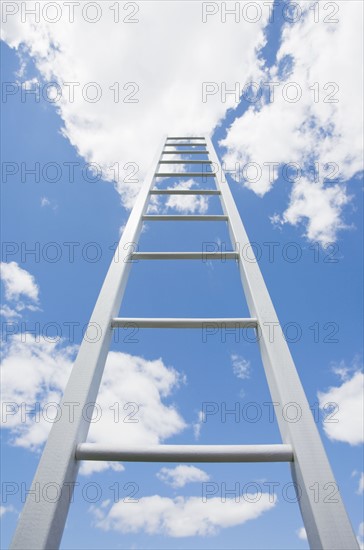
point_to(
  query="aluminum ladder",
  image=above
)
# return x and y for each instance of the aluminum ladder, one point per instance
(327, 525)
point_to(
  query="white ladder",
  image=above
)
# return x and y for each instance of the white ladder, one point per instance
(41, 524)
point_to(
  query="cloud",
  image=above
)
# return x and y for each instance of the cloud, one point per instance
(319, 207)
(18, 282)
(44, 201)
(181, 475)
(342, 370)
(130, 403)
(181, 517)
(241, 366)
(346, 421)
(301, 533)
(34, 373)
(131, 399)
(146, 89)
(186, 204)
(5, 510)
(321, 127)
(360, 489)
(9, 313)
(198, 424)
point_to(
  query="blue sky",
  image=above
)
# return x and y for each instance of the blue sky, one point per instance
(319, 295)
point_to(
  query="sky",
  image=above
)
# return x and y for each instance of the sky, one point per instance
(89, 90)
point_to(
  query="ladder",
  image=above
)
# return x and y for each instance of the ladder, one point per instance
(41, 524)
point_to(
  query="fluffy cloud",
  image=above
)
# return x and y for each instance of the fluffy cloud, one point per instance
(184, 204)
(241, 366)
(319, 207)
(343, 370)
(117, 135)
(151, 59)
(20, 289)
(323, 126)
(9, 313)
(34, 374)
(131, 400)
(129, 407)
(18, 282)
(188, 204)
(346, 424)
(181, 517)
(181, 475)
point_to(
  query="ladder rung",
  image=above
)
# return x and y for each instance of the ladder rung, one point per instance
(172, 138)
(180, 217)
(186, 453)
(122, 322)
(185, 161)
(182, 144)
(164, 152)
(230, 255)
(185, 174)
(185, 192)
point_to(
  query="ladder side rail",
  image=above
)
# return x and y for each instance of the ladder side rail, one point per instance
(327, 524)
(41, 524)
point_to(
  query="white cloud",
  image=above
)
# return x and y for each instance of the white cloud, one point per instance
(184, 204)
(33, 372)
(312, 129)
(319, 207)
(198, 424)
(130, 403)
(360, 489)
(169, 78)
(5, 510)
(301, 533)
(342, 370)
(241, 366)
(139, 387)
(187, 203)
(346, 422)
(44, 201)
(9, 313)
(181, 475)
(181, 517)
(18, 282)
